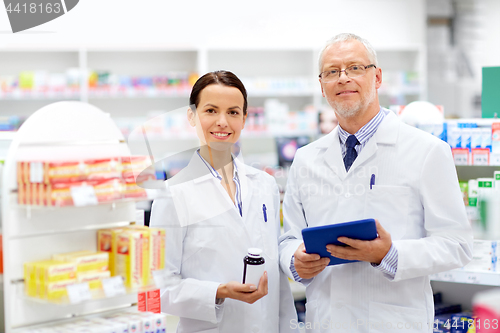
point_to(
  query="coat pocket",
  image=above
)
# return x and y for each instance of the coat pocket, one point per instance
(268, 232)
(390, 205)
(384, 318)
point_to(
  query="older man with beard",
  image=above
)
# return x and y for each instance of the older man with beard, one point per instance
(372, 166)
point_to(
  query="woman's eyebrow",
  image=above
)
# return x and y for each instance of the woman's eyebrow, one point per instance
(214, 106)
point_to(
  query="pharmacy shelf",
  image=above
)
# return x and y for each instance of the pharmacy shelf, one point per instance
(36, 221)
(244, 136)
(139, 93)
(41, 95)
(287, 74)
(35, 233)
(462, 276)
(70, 319)
(466, 172)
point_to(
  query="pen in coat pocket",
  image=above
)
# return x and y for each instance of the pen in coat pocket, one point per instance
(372, 181)
(264, 210)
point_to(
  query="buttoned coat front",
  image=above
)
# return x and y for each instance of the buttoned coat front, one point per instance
(416, 198)
(206, 242)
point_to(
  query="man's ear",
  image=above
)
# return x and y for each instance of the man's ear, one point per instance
(378, 77)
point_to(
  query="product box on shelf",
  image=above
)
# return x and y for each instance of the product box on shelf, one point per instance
(496, 177)
(461, 322)
(93, 278)
(484, 257)
(85, 261)
(157, 247)
(119, 242)
(79, 183)
(137, 169)
(47, 278)
(132, 257)
(107, 241)
(126, 321)
(53, 172)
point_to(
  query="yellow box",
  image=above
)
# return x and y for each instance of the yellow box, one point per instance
(132, 256)
(107, 242)
(157, 248)
(67, 256)
(52, 271)
(86, 261)
(55, 290)
(30, 277)
(93, 278)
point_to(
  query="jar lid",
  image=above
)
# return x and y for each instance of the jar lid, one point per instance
(254, 252)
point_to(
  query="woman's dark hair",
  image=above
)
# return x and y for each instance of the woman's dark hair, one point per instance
(224, 78)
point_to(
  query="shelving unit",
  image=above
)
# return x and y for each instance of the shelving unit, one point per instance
(460, 285)
(462, 276)
(61, 131)
(289, 74)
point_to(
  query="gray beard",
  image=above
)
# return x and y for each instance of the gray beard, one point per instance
(349, 111)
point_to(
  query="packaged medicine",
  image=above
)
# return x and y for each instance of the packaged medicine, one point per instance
(157, 248)
(93, 278)
(51, 271)
(107, 241)
(132, 257)
(55, 290)
(86, 262)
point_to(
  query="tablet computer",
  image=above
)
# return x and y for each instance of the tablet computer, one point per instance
(317, 238)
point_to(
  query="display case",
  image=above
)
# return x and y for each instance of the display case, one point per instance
(58, 132)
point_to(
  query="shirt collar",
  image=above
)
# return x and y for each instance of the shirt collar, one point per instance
(365, 132)
(214, 172)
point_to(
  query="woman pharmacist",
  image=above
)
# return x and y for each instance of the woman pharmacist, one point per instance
(216, 209)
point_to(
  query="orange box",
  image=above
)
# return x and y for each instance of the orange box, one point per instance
(132, 190)
(54, 172)
(137, 169)
(105, 191)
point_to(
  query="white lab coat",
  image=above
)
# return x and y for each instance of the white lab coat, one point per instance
(416, 198)
(206, 241)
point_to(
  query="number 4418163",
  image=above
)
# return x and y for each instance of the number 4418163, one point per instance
(33, 8)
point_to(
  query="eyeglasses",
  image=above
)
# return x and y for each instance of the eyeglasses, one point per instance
(351, 71)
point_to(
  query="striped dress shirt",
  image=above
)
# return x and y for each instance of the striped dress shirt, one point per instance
(236, 179)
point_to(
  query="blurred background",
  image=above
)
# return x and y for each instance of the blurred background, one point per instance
(137, 61)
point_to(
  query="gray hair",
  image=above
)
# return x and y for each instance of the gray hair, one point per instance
(345, 37)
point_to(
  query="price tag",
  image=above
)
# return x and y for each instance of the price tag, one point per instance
(161, 278)
(83, 195)
(473, 278)
(447, 276)
(36, 172)
(480, 156)
(461, 156)
(113, 286)
(78, 292)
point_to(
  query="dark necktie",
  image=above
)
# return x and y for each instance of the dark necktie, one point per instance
(351, 154)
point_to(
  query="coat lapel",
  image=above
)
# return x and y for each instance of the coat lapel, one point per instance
(386, 134)
(333, 153)
(246, 176)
